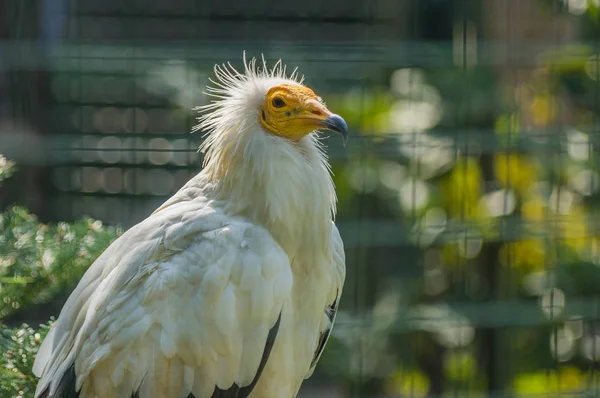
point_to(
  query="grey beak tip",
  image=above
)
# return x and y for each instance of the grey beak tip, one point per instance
(338, 124)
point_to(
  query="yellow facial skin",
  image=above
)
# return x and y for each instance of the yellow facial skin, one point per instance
(292, 112)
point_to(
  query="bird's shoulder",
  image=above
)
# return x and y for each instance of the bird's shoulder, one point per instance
(188, 247)
(186, 235)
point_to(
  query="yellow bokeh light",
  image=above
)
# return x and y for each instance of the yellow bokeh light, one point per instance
(515, 171)
(407, 383)
(566, 380)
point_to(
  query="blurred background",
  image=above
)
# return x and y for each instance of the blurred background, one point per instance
(468, 193)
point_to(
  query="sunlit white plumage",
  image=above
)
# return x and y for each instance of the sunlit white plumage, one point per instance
(243, 259)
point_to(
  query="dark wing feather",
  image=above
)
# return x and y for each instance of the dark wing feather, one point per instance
(236, 391)
(331, 310)
(66, 388)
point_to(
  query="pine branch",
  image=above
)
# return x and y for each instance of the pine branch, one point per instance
(19, 347)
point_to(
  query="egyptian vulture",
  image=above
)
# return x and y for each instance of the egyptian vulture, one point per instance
(230, 288)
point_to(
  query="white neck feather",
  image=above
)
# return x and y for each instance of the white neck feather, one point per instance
(282, 185)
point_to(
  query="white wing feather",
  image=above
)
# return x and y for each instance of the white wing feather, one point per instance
(182, 302)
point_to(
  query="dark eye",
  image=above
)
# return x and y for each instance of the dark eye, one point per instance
(278, 102)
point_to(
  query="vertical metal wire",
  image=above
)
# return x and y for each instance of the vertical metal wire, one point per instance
(415, 16)
(138, 5)
(77, 15)
(554, 134)
(360, 252)
(464, 264)
(593, 385)
(509, 248)
(558, 128)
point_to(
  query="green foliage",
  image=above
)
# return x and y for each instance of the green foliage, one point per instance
(19, 346)
(40, 260)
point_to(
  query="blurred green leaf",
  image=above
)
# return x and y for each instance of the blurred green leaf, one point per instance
(19, 347)
(39, 261)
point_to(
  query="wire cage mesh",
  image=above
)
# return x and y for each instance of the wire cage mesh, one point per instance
(468, 194)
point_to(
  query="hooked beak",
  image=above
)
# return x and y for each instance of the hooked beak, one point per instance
(320, 117)
(338, 124)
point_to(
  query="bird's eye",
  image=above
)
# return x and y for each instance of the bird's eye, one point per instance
(278, 102)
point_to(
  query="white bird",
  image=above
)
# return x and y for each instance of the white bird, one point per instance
(230, 288)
